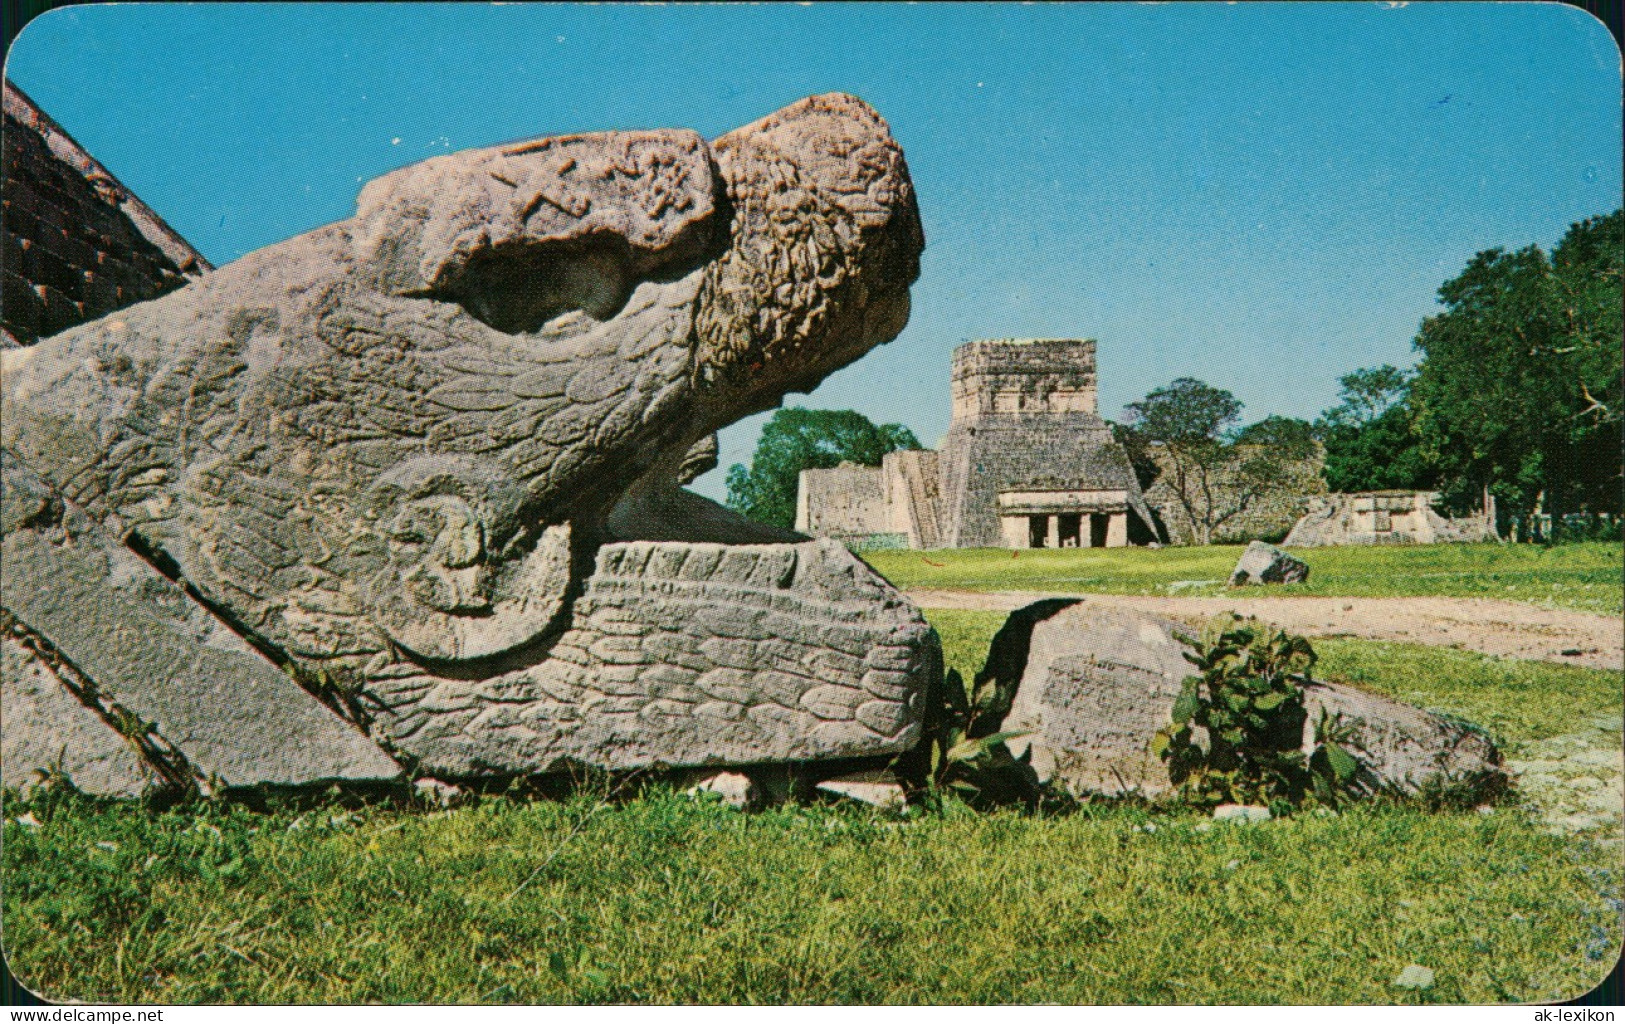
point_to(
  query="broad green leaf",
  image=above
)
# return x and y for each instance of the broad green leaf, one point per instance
(965, 750)
(1270, 701)
(1185, 706)
(1003, 737)
(1342, 763)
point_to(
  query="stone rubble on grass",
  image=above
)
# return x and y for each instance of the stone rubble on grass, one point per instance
(1575, 783)
(1097, 682)
(875, 788)
(1244, 814)
(1415, 976)
(441, 794)
(730, 788)
(1266, 563)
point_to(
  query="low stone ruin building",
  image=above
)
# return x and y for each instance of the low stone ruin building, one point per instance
(1382, 517)
(892, 505)
(77, 243)
(1027, 463)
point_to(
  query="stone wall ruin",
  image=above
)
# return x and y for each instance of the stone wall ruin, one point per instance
(1382, 517)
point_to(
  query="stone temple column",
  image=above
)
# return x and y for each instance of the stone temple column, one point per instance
(1117, 530)
(1014, 530)
(1053, 536)
(1086, 530)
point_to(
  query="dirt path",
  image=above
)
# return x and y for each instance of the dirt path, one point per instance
(1503, 628)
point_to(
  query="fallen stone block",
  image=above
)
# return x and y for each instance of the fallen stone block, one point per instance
(148, 654)
(1266, 563)
(78, 745)
(441, 794)
(1242, 814)
(731, 788)
(1096, 683)
(875, 788)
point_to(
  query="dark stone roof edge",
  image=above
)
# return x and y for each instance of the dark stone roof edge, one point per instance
(64, 148)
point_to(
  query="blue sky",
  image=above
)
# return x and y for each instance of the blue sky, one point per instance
(1263, 196)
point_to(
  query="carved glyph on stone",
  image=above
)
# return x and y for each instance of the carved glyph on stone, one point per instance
(418, 455)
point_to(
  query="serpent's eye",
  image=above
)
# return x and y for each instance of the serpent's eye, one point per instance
(416, 527)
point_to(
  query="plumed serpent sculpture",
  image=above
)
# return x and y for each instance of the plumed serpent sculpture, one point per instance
(427, 462)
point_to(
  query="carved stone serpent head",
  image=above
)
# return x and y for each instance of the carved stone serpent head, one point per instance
(402, 433)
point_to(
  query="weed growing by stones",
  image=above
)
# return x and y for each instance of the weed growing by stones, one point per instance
(1236, 730)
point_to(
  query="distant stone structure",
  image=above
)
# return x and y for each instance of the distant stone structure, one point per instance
(1270, 514)
(77, 243)
(1027, 463)
(1382, 517)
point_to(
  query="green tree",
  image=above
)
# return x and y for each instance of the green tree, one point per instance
(796, 439)
(1587, 264)
(1518, 391)
(1371, 436)
(1215, 472)
(1366, 395)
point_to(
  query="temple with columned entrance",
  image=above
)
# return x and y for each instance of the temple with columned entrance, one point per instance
(1027, 463)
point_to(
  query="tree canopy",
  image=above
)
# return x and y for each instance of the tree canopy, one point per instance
(1187, 414)
(1518, 391)
(796, 439)
(1216, 472)
(1371, 437)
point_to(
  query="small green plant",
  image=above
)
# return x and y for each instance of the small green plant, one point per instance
(1235, 734)
(1335, 775)
(341, 694)
(962, 753)
(128, 724)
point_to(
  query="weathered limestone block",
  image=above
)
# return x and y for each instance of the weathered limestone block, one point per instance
(1266, 563)
(875, 788)
(684, 655)
(1096, 683)
(441, 794)
(400, 453)
(1405, 747)
(143, 649)
(78, 744)
(731, 788)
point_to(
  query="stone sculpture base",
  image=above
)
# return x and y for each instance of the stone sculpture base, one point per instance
(689, 655)
(675, 655)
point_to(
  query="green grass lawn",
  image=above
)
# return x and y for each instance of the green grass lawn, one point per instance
(660, 898)
(1586, 577)
(665, 899)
